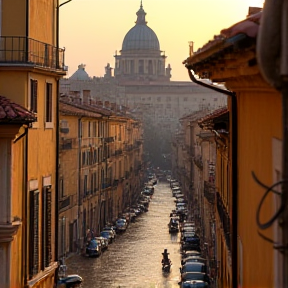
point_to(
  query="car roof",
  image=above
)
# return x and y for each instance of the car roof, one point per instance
(194, 257)
(193, 264)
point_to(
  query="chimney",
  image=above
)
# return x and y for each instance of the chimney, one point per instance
(107, 104)
(86, 97)
(99, 103)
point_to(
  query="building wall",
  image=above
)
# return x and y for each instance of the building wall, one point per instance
(259, 117)
(41, 143)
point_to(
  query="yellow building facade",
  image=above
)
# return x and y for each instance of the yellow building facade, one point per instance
(253, 155)
(100, 171)
(31, 65)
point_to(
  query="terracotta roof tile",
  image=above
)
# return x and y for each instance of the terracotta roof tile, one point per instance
(68, 108)
(11, 112)
(206, 120)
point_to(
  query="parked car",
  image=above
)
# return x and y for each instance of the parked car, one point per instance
(193, 259)
(193, 267)
(93, 248)
(104, 242)
(190, 243)
(195, 276)
(108, 235)
(121, 225)
(190, 253)
(111, 229)
(194, 284)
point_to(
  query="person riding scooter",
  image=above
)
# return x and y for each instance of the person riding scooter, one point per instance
(165, 259)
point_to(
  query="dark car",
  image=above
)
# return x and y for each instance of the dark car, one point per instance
(195, 276)
(93, 248)
(190, 242)
(108, 235)
(193, 267)
(194, 284)
(193, 259)
(190, 253)
(121, 225)
(104, 242)
(111, 229)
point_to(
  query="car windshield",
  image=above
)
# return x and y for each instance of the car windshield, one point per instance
(194, 276)
(193, 267)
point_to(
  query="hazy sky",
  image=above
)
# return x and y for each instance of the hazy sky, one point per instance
(93, 30)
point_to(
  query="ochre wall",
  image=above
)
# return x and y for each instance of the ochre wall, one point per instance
(259, 120)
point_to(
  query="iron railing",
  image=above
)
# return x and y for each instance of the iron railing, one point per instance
(24, 50)
(225, 220)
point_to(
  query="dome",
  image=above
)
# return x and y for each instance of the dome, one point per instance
(80, 74)
(140, 37)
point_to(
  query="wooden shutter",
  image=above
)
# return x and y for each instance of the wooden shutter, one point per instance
(33, 95)
(46, 224)
(34, 234)
(48, 102)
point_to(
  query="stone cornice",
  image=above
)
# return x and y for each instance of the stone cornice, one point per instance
(7, 231)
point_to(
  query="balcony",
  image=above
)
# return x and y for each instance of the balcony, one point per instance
(225, 220)
(64, 203)
(209, 192)
(26, 51)
(66, 144)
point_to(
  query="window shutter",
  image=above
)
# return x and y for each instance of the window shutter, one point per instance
(33, 95)
(48, 102)
(46, 224)
(34, 234)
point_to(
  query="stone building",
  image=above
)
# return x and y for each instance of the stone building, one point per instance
(142, 82)
(100, 171)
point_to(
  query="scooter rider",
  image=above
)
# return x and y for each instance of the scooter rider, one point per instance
(165, 257)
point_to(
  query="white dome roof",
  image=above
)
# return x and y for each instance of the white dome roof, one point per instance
(80, 74)
(140, 37)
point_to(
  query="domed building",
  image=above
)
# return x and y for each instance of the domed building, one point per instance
(80, 74)
(140, 57)
(142, 83)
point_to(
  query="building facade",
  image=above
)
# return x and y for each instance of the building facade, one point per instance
(100, 171)
(31, 64)
(255, 130)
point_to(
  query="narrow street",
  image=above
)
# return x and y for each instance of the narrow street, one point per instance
(134, 259)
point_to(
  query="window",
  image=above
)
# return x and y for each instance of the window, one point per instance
(46, 230)
(33, 95)
(48, 112)
(141, 67)
(34, 234)
(150, 67)
(85, 185)
(61, 188)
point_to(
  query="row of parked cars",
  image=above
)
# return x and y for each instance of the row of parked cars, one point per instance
(193, 270)
(96, 245)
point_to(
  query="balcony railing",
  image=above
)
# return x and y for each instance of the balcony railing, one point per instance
(225, 220)
(24, 50)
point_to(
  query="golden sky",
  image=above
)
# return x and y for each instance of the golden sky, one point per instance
(93, 30)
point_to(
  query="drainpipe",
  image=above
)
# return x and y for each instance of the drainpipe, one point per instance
(57, 172)
(25, 176)
(25, 210)
(234, 240)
